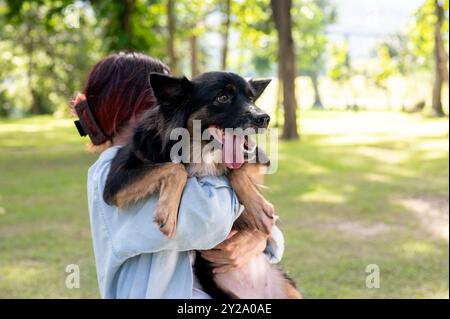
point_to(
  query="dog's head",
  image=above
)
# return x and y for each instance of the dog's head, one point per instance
(223, 103)
(221, 99)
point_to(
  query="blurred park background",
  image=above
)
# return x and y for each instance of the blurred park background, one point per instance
(360, 96)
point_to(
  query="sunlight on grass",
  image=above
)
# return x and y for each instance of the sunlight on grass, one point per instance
(378, 178)
(439, 295)
(299, 163)
(432, 214)
(16, 274)
(35, 126)
(414, 248)
(358, 188)
(387, 125)
(385, 155)
(37, 131)
(324, 196)
(348, 139)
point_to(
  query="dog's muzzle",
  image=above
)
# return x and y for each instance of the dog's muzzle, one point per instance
(261, 120)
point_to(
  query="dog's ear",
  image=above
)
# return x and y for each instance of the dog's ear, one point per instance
(170, 90)
(258, 86)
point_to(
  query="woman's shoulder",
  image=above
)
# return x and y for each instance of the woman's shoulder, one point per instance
(214, 181)
(208, 206)
(98, 171)
(101, 166)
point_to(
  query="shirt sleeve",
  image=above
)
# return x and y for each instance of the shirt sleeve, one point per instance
(275, 246)
(207, 211)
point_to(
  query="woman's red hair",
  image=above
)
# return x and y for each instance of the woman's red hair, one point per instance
(118, 90)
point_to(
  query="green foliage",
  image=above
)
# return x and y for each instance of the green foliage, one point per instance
(386, 68)
(421, 33)
(310, 20)
(51, 57)
(340, 68)
(191, 16)
(191, 22)
(394, 57)
(400, 51)
(257, 37)
(46, 58)
(133, 25)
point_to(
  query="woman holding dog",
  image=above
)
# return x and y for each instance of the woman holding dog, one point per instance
(133, 258)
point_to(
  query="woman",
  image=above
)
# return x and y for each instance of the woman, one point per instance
(133, 258)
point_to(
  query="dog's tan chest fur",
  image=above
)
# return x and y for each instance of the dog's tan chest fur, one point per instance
(203, 169)
(205, 164)
(257, 280)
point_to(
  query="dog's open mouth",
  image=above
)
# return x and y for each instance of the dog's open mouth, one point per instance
(234, 146)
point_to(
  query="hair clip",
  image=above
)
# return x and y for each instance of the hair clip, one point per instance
(80, 128)
(86, 125)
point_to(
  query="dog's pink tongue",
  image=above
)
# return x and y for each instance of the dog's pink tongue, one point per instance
(233, 150)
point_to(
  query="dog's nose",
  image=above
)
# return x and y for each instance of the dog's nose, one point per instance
(262, 120)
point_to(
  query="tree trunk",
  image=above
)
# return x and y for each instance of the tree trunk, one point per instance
(125, 21)
(225, 34)
(283, 21)
(440, 43)
(317, 100)
(436, 106)
(194, 56)
(173, 63)
(36, 107)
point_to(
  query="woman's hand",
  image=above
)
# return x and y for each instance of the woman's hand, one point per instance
(236, 250)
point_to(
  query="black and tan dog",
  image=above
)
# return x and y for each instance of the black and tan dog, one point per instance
(220, 101)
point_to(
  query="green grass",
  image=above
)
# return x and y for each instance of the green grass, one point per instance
(358, 189)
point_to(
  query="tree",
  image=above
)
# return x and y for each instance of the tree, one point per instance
(27, 17)
(281, 10)
(440, 61)
(51, 57)
(428, 44)
(257, 44)
(192, 16)
(340, 69)
(310, 20)
(136, 25)
(171, 28)
(225, 32)
(394, 57)
(386, 69)
(128, 25)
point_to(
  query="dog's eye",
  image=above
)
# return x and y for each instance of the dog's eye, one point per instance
(223, 98)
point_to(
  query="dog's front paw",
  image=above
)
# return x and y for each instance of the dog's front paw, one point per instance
(267, 217)
(263, 214)
(166, 219)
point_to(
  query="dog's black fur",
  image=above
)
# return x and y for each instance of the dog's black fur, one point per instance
(220, 99)
(179, 99)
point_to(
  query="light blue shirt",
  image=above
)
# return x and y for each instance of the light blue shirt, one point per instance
(135, 260)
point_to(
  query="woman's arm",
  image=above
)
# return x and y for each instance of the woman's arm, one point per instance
(208, 209)
(275, 246)
(240, 247)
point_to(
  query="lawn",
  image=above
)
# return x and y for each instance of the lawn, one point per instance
(358, 189)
